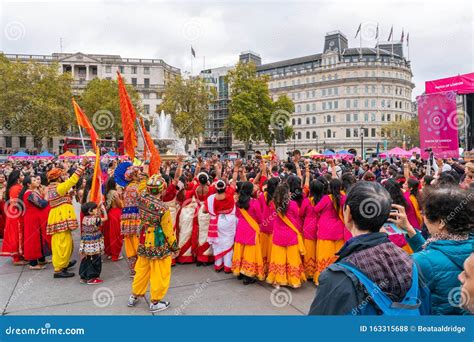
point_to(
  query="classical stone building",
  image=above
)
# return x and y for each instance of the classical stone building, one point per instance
(148, 76)
(342, 94)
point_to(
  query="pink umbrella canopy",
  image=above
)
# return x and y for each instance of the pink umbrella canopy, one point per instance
(417, 150)
(396, 151)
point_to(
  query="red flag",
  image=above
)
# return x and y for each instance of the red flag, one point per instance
(128, 119)
(155, 159)
(96, 193)
(84, 122)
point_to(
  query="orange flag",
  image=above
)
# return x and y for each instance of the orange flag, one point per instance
(84, 122)
(128, 119)
(96, 193)
(155, 159)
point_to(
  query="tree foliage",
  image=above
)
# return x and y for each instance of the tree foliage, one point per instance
(407, 131)
(253, 115)
(187, 101)
(100, 101)
(35, 99)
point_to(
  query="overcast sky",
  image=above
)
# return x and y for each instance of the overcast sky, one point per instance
(441, 32)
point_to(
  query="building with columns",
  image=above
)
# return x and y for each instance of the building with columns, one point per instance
(148, 76)
(343, 96)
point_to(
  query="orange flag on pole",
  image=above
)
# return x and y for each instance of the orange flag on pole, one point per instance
(96, 193)
(155, 159)
(84, 122)
(129, 117)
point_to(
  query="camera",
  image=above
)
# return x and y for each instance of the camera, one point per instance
(429, 149)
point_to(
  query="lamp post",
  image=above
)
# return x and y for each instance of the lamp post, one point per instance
(362, 152)
(317, 143)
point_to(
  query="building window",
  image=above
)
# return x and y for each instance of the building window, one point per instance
(299, 135)
(146, 109)
(8, 142)
(348, 90)
(324, 92)
(366, 91)
(324, 105)
(307, 107)
(372, 103)
(293, 122)
(329, 134)
(298, 109)
(299, 121)
(348, 117)
(366, 103)
(373, 89)
(383, 116)
(134, 82)
(329, 91)
(356, 117)
(146, 70)
(313, 107)
(314, 120)
(348, 132)
(108, 69)
(121, 69)
(146, 96)
(348, 103)
(373, 132)
(315, 136)
(366, 117)
(336, 91)
(372, 116)
(356, 103)
(328, 118)
(146, 82)
(22, 142)
(356, 132)
(134, 69)
(308, 135)
(388, 117)
(336, 104)
(333, 134)
(307, 121)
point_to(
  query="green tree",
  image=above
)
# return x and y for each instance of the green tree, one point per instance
(187, 101)
(251, 106)
(407, 131)
(100, 101)
(35, 99)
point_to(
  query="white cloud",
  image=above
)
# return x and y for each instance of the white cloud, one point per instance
(441, 32)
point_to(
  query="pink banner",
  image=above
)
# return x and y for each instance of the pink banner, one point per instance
(461, 84)
(438, 119)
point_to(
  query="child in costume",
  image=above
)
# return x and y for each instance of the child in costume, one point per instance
(157, 243)
(91, 247)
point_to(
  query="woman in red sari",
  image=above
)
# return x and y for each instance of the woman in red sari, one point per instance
(2, 203)
(13, 208)
(113, 238)
(37, 244)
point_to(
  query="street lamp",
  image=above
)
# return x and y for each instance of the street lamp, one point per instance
(362, 152)
(317, 143)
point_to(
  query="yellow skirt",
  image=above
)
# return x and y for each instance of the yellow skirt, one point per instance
(407, 249)
(247, 260)
(309, 259)
(325, 255)
(266, 246)
(286, 267)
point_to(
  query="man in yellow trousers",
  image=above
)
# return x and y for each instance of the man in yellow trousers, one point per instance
(62, 218)
(157, 244)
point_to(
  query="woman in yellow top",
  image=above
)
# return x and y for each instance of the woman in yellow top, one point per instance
(62, 218)
(157, 243)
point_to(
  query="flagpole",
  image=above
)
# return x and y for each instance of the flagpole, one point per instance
(360, 44)
(142, 134)
(82, 139)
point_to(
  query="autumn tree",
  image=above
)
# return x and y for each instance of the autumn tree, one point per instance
(35, 99)
(187, 101)
(398, 132)
(281, 128)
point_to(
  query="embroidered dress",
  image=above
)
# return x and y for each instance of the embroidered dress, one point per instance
(130, 219)
(92, 240)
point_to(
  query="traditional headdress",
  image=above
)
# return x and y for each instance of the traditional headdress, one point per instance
(156, 184)
(119, 173)
(54, 173)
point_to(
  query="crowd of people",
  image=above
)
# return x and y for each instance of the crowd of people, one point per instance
(375, 236)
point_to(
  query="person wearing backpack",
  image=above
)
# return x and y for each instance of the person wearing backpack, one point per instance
(448, 213)
(371, 276)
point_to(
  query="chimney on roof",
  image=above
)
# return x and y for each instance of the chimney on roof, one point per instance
(335, 41)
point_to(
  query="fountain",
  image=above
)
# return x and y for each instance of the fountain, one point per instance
(165, 138)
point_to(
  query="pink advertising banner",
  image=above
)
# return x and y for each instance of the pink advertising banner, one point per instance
(461, 84)
(438, 119)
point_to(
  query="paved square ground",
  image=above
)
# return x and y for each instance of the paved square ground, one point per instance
(193, 291)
